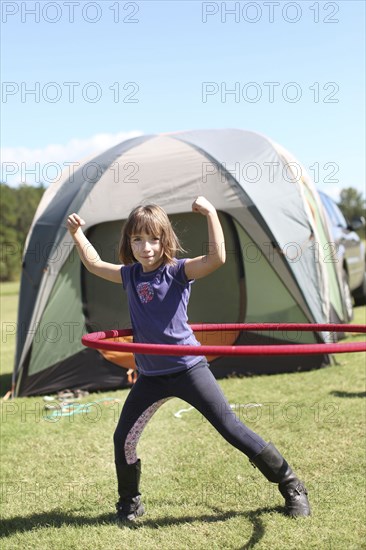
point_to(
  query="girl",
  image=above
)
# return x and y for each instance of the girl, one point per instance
(158, 288)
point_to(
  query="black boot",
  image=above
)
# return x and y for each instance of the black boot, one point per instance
(275, 468)
(129, 506)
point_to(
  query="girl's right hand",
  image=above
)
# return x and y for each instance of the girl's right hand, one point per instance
(74, 222)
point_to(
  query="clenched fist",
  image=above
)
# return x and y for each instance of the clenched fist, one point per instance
(74, 222)
(203, 206)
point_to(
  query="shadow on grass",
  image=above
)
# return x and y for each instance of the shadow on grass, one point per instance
(5, 383)
(348, 394)
(254, 517)
(59, 519)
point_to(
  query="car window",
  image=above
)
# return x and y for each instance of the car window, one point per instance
(341, 219)
(328, 208)
(333, 212)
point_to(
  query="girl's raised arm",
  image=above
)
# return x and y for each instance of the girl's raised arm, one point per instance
(196, 268)
(88, 255)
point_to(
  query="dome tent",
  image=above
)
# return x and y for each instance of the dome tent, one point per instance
(275, 233)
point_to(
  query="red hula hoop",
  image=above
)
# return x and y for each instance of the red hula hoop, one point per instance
(101, 340)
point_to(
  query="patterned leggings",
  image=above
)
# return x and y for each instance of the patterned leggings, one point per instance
(198, 387)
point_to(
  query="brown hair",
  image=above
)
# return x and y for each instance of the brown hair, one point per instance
(151, 219)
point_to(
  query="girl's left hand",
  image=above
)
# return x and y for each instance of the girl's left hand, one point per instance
(203, 206)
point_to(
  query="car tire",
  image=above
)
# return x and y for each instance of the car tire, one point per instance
(360, 293)
(347, 297)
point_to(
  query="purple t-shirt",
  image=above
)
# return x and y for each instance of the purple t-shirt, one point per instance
(158, 303)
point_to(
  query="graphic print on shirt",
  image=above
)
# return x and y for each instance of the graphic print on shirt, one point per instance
(145, 291)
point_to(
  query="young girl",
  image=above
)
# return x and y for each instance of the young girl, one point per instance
(158, 288)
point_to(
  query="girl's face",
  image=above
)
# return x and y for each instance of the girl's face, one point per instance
(148, 250)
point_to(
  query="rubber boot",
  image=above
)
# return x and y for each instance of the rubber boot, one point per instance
(129, 506)
(275, 468)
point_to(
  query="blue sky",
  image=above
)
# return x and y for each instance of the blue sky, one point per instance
(103, 71)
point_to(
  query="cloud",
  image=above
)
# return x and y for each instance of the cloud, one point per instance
(45, 165)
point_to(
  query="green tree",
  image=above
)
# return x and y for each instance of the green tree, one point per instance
(17, 208)
(28, 198)
(352, 203)
(10, 253)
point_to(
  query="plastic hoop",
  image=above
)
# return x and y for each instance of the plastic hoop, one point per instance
(102, 340)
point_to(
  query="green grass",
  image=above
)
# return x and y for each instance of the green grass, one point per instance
(58, 483)
(9, 294)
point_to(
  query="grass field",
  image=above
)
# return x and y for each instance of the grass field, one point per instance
(58, 483)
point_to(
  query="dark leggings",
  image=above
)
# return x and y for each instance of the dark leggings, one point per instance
(198, 387)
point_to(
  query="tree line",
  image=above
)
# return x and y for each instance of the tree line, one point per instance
(18, 206)
(352, 204)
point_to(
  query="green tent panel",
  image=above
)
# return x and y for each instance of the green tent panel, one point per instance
(62, 324)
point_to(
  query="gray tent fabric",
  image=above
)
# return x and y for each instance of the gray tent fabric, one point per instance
(262, 189)
(265, 208)
(51, 225)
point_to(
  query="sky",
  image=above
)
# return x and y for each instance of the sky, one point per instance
(80, 76)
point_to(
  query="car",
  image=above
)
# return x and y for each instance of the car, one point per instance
(351, 255)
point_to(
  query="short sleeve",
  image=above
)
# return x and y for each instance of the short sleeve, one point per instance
(178, 273)
(125, 275)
